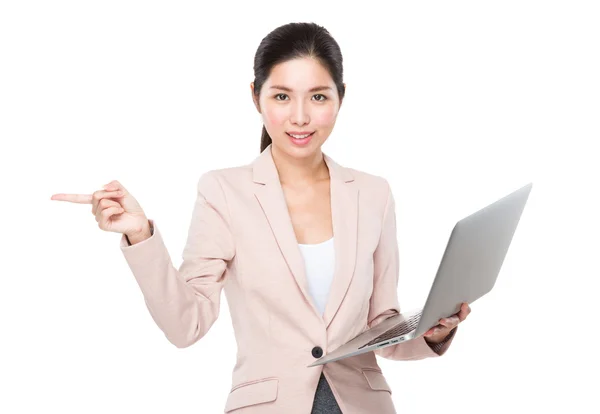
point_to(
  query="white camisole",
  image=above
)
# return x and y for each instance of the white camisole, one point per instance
(319, 261)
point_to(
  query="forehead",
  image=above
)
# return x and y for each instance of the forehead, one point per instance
(299, 74)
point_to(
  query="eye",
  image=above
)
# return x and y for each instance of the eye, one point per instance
(320, 100)
(279, 94)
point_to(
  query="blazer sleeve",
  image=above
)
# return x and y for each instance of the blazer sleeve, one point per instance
(384, 299)
(185, 302)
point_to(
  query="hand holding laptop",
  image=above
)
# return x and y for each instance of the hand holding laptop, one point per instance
(438, 333)
(468, 270)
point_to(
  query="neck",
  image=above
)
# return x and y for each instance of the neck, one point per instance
(300, 171)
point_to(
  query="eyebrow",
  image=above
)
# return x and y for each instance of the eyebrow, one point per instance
(316, 88)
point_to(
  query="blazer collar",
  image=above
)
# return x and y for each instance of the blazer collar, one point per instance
(344, 210)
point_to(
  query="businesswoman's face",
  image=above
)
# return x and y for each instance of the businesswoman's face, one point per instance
(298, 97)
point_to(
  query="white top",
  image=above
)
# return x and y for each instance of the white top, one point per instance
(319, 261)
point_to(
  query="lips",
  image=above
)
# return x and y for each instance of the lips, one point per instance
(301, 142)
(300, 133)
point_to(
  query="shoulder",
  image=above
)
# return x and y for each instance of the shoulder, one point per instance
(372, 187)
(366, 180)
(374, 191)
(228, 177)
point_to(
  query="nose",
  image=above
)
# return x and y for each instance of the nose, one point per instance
(299, 115)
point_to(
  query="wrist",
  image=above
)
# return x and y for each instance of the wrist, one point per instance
(439, 347)
(437, 341)
(144, 233)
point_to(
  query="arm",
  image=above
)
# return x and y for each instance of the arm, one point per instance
(384, 299)
(185, 302)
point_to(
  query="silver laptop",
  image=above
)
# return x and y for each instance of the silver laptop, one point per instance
(469, 268)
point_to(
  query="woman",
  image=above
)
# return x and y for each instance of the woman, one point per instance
(305, 249)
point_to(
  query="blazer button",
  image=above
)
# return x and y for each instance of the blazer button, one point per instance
(317, 352)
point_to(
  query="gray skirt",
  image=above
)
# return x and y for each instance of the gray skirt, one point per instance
(324, 402)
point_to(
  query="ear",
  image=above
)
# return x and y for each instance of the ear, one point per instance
(342, 100)
(254, 99)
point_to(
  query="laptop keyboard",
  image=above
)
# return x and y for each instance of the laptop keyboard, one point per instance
(402, 328)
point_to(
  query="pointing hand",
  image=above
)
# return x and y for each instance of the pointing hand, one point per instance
(114, 208)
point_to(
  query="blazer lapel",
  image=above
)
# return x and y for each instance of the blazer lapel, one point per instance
(344, 210)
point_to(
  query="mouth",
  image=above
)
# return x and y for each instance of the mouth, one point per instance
(297, 135)
(300, 139)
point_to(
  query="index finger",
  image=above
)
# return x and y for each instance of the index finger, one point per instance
(73, 198)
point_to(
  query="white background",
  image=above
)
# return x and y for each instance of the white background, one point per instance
(455, 103)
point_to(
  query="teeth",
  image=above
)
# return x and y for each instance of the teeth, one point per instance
(299, 136)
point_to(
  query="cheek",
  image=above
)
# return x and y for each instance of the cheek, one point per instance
(274, 116)
(326, 116)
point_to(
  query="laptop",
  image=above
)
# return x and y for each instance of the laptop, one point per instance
(468, 270)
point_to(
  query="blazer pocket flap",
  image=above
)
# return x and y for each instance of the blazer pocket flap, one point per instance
(250, 393)
(376, 380)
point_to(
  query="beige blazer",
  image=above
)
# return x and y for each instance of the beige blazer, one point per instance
(241, 240)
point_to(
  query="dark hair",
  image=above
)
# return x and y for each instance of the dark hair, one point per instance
(291, 41)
